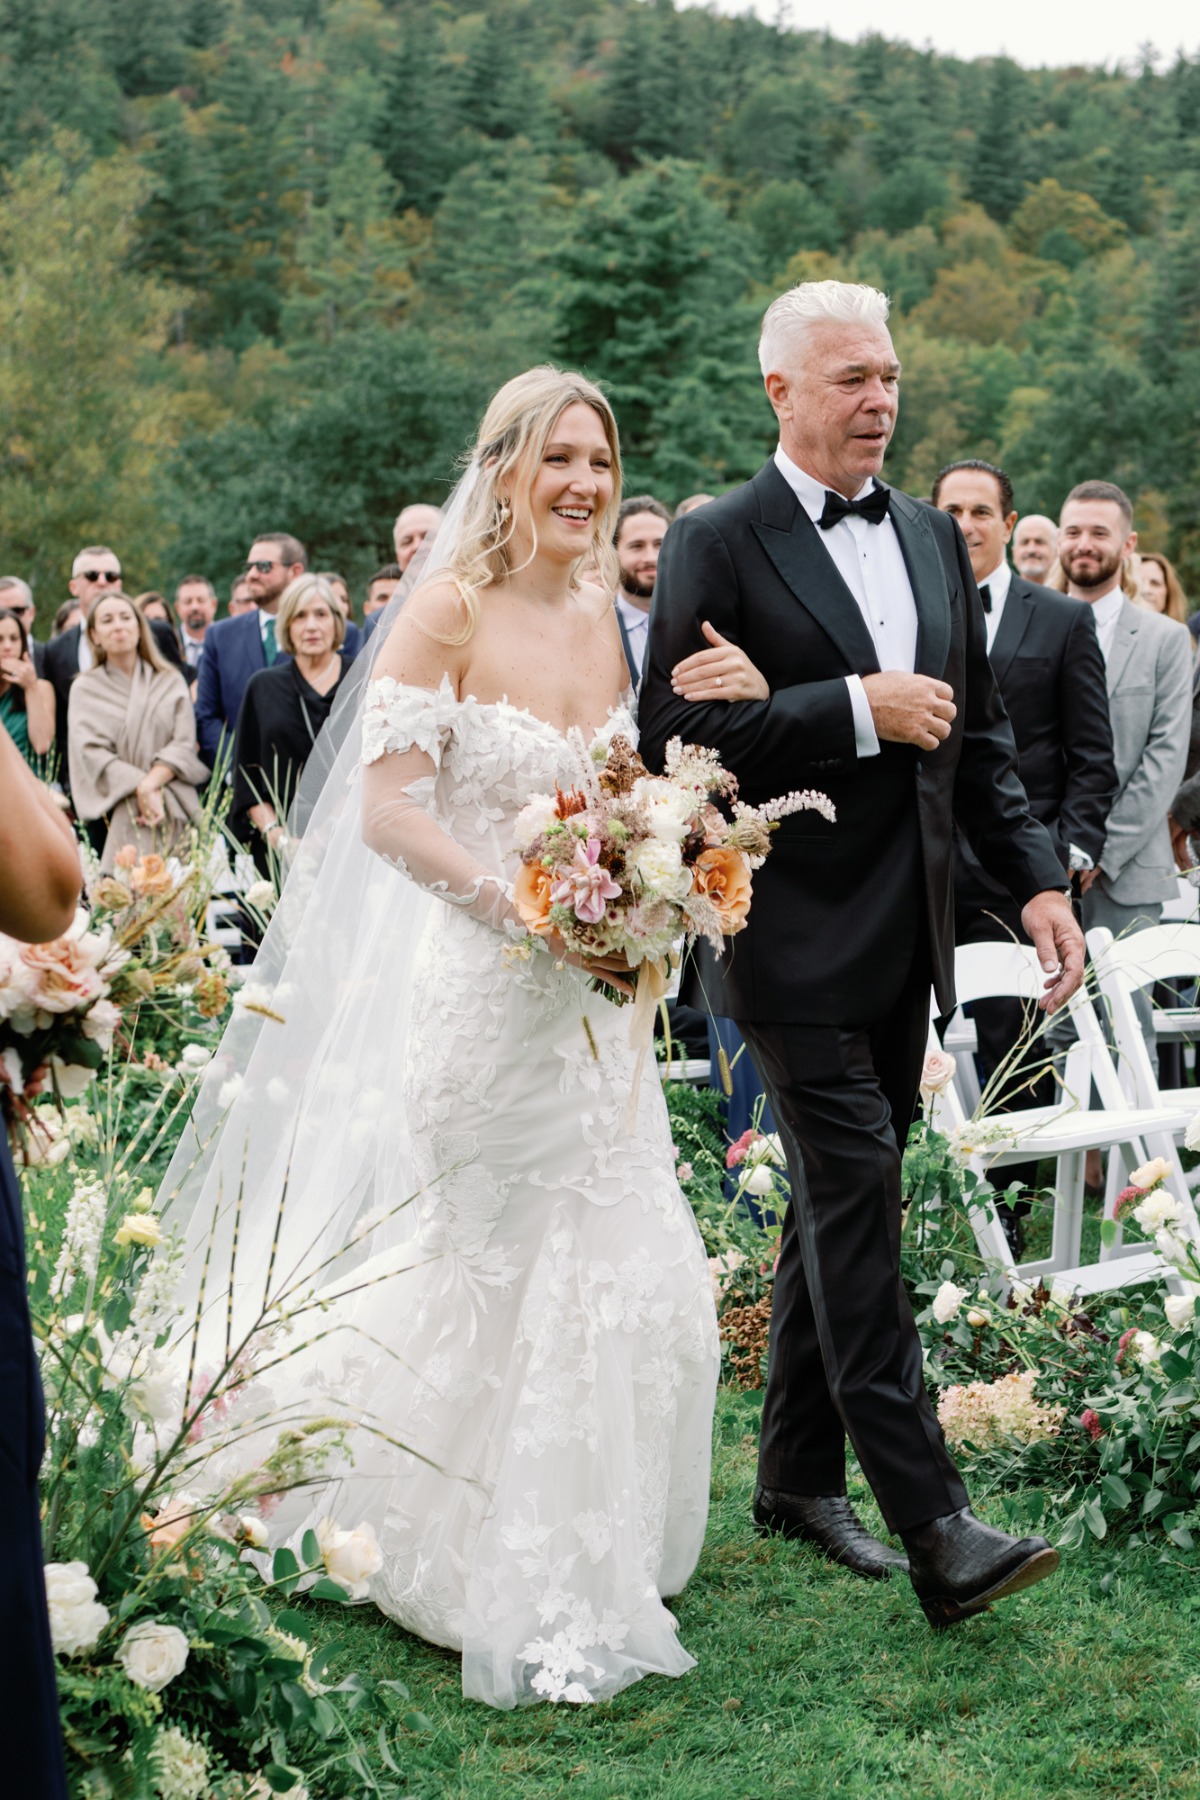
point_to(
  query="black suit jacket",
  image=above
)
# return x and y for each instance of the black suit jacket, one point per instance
(839, 910)
(60, 666)
(1050, 671)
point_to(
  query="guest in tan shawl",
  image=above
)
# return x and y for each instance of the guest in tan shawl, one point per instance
(131, 736)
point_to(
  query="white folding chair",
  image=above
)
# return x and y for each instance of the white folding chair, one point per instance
(1066, 1131)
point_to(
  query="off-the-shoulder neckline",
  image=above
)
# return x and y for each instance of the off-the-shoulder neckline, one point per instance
(445, 691)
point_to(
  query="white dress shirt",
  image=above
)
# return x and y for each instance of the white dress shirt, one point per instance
(871, 563)
(1106, 611)
(193, 650)
(997, 586)
(637, 625)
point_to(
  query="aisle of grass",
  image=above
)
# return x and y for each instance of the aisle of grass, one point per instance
(812, 1683)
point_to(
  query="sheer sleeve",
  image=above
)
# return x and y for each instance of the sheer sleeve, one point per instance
(404, 733)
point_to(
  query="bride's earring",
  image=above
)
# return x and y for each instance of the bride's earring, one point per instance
(503, 510)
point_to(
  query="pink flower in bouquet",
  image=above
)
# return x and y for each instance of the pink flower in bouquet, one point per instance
(126, 857)
(587, 884)
(1090, 1420)
(736, 1152)
(65, 977)
(1125, 1199)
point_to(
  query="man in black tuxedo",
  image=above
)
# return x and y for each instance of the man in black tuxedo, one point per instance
(96, 570)
(1046, 658)
(858, 606)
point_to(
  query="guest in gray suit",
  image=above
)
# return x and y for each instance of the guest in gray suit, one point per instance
(1148, 673)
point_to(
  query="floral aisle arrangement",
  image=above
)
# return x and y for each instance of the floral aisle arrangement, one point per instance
(627, 862)
(184, 1673)
(1095, 1401)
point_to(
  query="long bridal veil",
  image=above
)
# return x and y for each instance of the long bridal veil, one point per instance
(291, 1153)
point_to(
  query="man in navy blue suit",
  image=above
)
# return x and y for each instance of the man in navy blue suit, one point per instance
(235, 649)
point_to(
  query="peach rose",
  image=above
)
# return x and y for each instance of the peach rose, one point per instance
(723, 877)
(64, 976)
(532, 897)
(173, 1520)
(151, 876)
(126, 857)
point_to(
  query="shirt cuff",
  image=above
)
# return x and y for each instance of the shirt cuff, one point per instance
(865, 741)
(1078, 859)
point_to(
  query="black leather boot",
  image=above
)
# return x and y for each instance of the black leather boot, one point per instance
(831, 1523)
(959, 1565)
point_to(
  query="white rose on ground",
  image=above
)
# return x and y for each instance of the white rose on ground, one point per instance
(1180, 1310)
(350, 1557)
(947, 1302)
(659, 864)
(759, 1181)
(1157, 1169)
(1157, 1210)
(152, 1654)
(76, 1616)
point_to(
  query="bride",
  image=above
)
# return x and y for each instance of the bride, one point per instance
(530, 1339)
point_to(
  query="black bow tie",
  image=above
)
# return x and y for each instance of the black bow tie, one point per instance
(873, 508)
(985, 594)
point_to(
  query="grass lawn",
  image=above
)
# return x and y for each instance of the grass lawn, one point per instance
(814, 1683)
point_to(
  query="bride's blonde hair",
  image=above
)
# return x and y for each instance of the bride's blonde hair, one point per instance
(507, 453)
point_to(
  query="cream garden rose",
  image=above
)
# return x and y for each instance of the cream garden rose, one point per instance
(152, 1654)
(1180, 1310)
(660, 865)
(1157, 1169)
(76, 1616)
(350, 1557)
(947, 1302)
(141, 1229)
(938, 1071)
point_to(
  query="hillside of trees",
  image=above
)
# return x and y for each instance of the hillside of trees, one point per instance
(264, 260)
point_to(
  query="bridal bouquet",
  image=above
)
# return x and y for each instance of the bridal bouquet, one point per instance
(629, 862)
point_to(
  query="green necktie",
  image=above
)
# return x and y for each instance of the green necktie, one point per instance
(269, 639)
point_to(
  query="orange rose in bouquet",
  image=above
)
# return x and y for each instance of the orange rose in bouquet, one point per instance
(532, 897)
(723, 877)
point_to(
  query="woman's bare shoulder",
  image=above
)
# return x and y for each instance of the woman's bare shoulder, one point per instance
(417, 649)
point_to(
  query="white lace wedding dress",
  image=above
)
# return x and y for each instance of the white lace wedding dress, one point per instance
(552, 1350)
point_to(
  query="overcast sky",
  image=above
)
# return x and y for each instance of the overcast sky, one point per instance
(1031, 31)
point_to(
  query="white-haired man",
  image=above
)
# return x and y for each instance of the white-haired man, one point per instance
(1034, 547)
(413, 525)
(858, 607)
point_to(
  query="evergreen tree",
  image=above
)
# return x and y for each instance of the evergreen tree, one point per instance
(998, 160)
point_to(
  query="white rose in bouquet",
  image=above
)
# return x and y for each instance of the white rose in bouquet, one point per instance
(536, 816)
(668, 810)
(17, 980)
(660, 866)
(152, 1654)
(350, 1557)
(1157, 1169)
(947, 1302)
(1180, 1310)
(100, 1022)
(76, 1616)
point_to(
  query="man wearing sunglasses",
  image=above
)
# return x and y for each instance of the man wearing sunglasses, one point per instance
(235, 649)
(96, 571)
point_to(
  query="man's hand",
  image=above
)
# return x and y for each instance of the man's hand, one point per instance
(910, 709)
(1180, 848)
(1088, 878)
(1059, 944)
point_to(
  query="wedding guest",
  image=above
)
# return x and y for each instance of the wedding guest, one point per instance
(68, 614)
(39, 891)
(195, 610)
(691, 503)
(151, 605)
(235, 649)
(239, 598)
(341, 593)
(641, 527)
(16, 596)
(1160, 588)
(380, 589)
(96, 570)
(26, 702)
(283, 710)
(413, 525)
(1034, 547)
(131, 737)
(1046, 659)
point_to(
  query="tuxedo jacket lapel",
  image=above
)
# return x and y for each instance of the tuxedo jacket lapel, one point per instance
(926, 573)
(1014, 622)
(793, 543)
